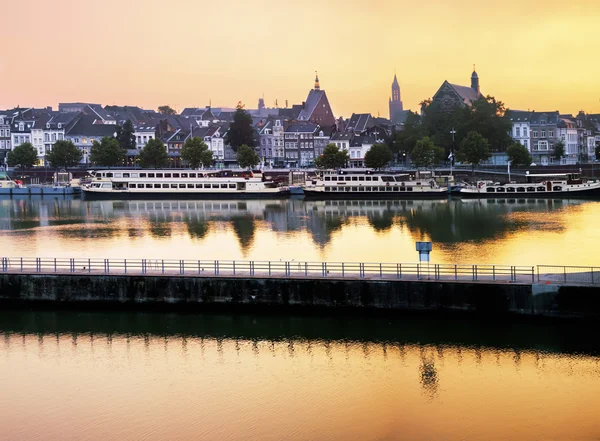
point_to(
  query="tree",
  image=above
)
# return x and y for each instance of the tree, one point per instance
(240, 131)
(378, 156)
(64, 154)
(559, 150)
(426, 153)
(107, 152)
(166, 110)
(23, 155)
(403, 142)
(196, 152)
(154, 154)
(518, 154)
(332, 157)
(247, 156)
(474, 149)
(126, 136)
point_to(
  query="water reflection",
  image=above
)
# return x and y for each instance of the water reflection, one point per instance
(448, 223)
(156, 376)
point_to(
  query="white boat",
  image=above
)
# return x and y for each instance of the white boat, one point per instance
(11, 188)
(566, 185)
(180, 184)
(369, 184)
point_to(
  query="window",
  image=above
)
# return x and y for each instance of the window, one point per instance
(525, 131)
(159, 175)
(173, 185)
(132, 185)
(165, 186)
(181, 185)
(518, 132)
(526, 144)
(550, 133)
(142, 175)
(167, 175)
(543, 134)
(150, 175)
(184, 175)
(192, 175)
(190, 186)
(157, 186)
(535, 134)
(148, 185)
(231, 185)
(175, 175)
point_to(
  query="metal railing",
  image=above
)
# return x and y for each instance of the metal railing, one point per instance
(306, 270)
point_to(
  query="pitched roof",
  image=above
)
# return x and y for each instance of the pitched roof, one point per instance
(96, 109)
(518, 115)
(301, 126)
(468, 94)
(85, 126)
(548, 117)
(359, 122)
(314, 96)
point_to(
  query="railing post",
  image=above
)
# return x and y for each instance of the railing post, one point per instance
(532, 274)
(565, 273)
(381, 271)
(323, 269)
(592, 273)
(305, 269)
(55, 264)
(108, 266)
(181, 267)
(455, 272)
(125, 265)
(234, 267)
(252, 268)
(21, 264)
(163, 266)
(494, 273)
(418, 272)
(269, 268)
(342, 269)
(398, 270)
(89, 266)
(473, 273)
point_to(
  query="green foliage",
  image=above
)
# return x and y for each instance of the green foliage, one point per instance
(404, 141)
(107, 152)
(426, 153)
(559, 150)
(474, 149)
(332, 157)
(378, 156)
(126, 136)
(166, 110)
(196, 152)
(64, 154)
(24, 156)
(247, 156)
(240, 131)
(154, 154)
(597, 152)
(518, 154)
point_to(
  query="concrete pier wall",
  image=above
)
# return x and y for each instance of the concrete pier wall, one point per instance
(120, 291)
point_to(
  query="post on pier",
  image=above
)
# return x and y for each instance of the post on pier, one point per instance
(424, 249)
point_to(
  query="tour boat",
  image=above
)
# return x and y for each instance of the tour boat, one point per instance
(369, 184)
(180, 184)
(9, 187)
(537, 186)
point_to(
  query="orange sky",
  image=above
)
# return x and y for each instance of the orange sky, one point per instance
(536, 54)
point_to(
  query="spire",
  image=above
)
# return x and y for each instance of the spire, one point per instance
(395, 83)
(475, 80)
(317, 86)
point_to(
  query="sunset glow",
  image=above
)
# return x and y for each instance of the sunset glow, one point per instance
(530, 54)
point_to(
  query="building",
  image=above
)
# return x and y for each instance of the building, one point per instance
(5, 138)
(316, 109)
(359, 123)
(272, 144)
(143, 134)
(397, 113)
(521, 128)
(566, 131)
(342, 140)
(450, 96)
(359, 146)
(38, 128)
(84, 131)
(74, 107)
(299, 144)
(544, 135)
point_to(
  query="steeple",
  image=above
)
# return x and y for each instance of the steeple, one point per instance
(317, 86)
(475, 80)
(395, 89)
(396, 107)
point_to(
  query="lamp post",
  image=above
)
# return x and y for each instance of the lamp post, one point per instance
(453, 132)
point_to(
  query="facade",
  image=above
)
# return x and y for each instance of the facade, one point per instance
(272, 143)
(38, 128)
(21, 131)
(143, 134)
(567, 133)
(316, 109)
(544, 135)
(450, 96)
(521, 127)
(73, 107)
(397, 113)
(342, 140)
(83, 132)
(299, 139)
(5, 138)
(359, 147)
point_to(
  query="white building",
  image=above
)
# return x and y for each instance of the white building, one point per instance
(567, 133)
(143, 134)
(521, 127)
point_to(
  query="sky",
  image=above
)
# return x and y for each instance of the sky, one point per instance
(530, 54)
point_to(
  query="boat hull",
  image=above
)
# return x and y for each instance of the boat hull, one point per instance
(40, 191)
(573, 194)
(139, 195)
(324, 195)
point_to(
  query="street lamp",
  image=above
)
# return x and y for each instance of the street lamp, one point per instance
(453, 132)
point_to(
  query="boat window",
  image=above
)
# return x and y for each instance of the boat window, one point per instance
(402, 188)
(530, 188)
(184, 175)
(376, 178)
(106, 185)
(190, 186)
(125, 175)
(148, 185)
(367, 188)
(223, 185)
(395, 188)
(165, 186)
(388, 188)
(510, 189)
(327, 178)
(132, 185)
(418, 183)
(355, 178)
(500, 190)
(181, 185)
(134, 175)
(521, 189)
(109, 175)
(175, 175)
(557, 188)
(198, 185)
(347, 188)
(118, 175)
(231, 185)
(334, 178)
(215, 185)
(354, 188)
(348, 178)
(490, 190)
(361, 178)
(387, 178)
(541, 188)
(159, 175)
(142, 175)
(173, 185)
(150, 175)
(167, 175)
(206, 185)
(327, 188)
(192, 175)
(409, 189)
(157, 186)
(367, 178)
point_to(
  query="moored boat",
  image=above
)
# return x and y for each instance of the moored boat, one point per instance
(11, 188)
(369, 184)
(180, 184)
(569, 185)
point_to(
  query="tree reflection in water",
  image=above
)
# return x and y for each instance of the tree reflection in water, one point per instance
(244, 229)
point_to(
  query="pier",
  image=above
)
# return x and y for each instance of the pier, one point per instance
(201, 284)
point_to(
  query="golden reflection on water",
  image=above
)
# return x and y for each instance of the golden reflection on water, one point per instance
(517, 232)
(98, 386)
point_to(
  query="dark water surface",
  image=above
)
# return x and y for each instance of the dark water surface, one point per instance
(502, 231)
(134, 376)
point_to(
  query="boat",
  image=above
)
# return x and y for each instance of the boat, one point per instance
(369, 184)
(9, 187)
(181, 184)
(566, 185)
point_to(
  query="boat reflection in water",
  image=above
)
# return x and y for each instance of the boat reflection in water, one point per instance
(215, 377)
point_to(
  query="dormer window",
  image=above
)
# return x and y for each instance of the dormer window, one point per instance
(60, 125)
(47, 125)
(21, 127)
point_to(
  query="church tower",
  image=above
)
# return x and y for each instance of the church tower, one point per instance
(317, 85)
(396, 108)
(475, 81)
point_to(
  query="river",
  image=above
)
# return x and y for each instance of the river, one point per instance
(139, 376)
(503, 231)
